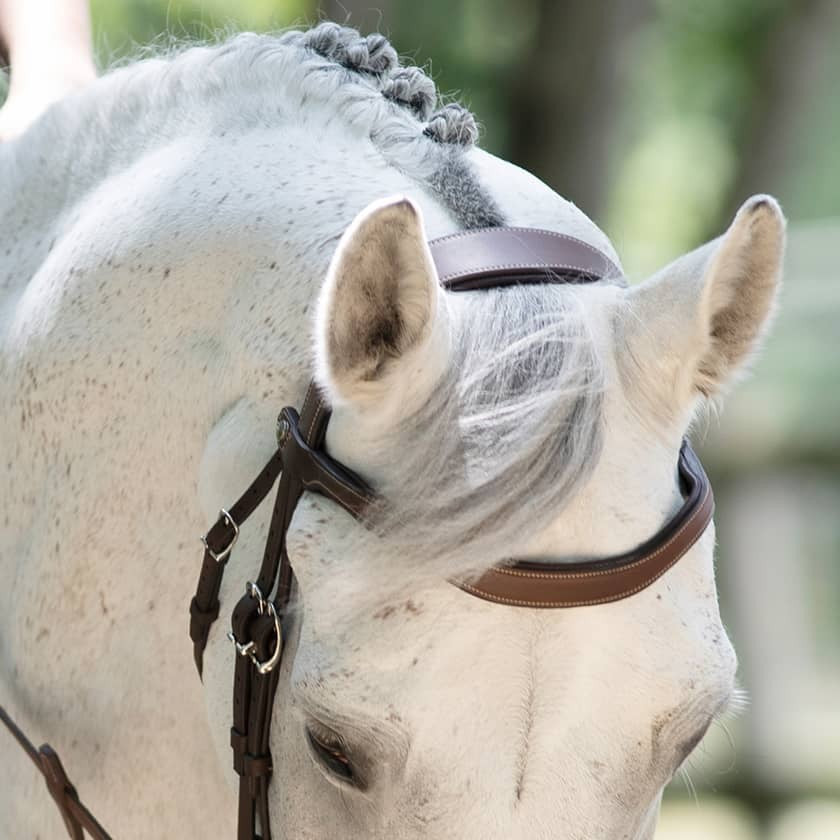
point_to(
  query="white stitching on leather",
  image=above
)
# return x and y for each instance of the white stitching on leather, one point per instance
(310, 390)
(556, 575)
(484, 268)
(607, 599)
(319, 410)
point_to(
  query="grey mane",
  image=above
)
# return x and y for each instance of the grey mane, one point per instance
(451, 126)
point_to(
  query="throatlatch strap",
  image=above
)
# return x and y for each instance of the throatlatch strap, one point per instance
(77, 818)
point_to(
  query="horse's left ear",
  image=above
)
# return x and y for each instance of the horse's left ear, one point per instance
(378, 306)
(695, 324)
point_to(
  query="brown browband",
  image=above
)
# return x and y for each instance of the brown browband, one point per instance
(472, 260)
(546, 585)
(506, 256)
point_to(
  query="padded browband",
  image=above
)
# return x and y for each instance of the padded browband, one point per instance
(529, 583)
(494, 257)
(545, 585)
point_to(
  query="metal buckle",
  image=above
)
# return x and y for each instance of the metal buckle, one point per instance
(271, 663)
(253, 590)
(283, 429)
(224, 554)
(264, 607)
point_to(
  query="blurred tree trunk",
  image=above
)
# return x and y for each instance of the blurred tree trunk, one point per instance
(364, 15)
(790, 63)
(565, 103)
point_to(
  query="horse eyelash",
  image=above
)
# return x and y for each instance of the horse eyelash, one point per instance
(327, 738)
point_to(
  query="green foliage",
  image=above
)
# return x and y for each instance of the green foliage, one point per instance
(472, 56)
(120, 27)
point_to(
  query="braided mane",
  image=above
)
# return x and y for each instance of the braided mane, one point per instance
(408, 86)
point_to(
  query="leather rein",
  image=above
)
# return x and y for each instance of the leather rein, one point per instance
(468, 261)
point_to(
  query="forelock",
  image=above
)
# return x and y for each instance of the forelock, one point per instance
(509, 435)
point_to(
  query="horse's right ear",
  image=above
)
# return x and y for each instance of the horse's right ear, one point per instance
(378, 306)
(694, 326)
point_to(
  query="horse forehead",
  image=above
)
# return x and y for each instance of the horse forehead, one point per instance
(412, 645)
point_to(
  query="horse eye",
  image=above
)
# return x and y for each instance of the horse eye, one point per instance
(330, 753)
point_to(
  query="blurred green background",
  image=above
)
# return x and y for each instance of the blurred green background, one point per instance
(658, 117)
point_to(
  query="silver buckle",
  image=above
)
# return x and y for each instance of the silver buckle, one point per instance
(253, 590)
(264, 607)
(224, 554)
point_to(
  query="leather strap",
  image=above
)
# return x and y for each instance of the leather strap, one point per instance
(257, 618)
(219, 540)
(504, 256)
(552, 585)
(77, 818)
(316, 472)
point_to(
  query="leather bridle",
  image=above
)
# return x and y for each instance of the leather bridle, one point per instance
(469, 261)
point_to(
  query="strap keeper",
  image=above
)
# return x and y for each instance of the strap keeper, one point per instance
(200, 619)
(227, 521)
(255, 766)
(60, 789)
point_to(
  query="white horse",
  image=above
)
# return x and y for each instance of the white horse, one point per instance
(166, 235)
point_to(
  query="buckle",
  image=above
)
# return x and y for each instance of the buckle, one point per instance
(283, 429)
(264, 607)
(225, 553)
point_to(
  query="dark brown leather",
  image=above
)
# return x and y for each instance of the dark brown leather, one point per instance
(77, 818)
(204, 607)
(315, 470)
(301, 465)
(305, 467)
(552, 585)
(493, 257)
